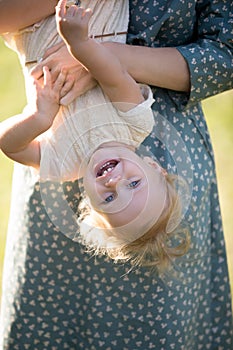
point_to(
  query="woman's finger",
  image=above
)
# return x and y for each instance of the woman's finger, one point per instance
(60, 81)
(68, 98)
(79, 88)
(53, 49)
(37, 71)
(68, 85)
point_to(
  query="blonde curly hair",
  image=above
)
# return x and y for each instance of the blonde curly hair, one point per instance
(157, 248)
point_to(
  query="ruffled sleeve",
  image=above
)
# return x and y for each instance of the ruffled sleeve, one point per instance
(140, 119)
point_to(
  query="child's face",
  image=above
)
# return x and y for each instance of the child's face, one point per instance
(125, 189)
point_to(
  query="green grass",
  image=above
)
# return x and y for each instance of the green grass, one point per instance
(219, 114)
(12, 100)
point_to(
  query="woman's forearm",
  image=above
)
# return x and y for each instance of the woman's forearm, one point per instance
(162, 67)
(17, 14)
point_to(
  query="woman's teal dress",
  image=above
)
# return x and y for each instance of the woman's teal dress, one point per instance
(56, 296)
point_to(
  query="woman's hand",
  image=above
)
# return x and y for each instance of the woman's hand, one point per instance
(78, 79)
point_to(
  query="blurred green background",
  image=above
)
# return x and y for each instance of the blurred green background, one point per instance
(219, 114)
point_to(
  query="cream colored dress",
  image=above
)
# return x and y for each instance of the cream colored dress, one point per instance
(91, 119)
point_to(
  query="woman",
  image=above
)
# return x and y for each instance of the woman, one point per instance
(57, 297)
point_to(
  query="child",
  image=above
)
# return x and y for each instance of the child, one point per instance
(121, 186)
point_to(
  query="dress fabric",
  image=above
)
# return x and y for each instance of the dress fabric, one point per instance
(58, 297)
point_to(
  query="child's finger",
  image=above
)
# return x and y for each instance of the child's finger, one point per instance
(47, 76)
(61, 8)
(36, 85)
(88, 13)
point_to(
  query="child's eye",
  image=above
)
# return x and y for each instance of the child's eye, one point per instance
(134, 183)
(109, 199)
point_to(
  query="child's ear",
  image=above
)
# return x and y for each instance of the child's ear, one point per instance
(151, 162)
(155, 165)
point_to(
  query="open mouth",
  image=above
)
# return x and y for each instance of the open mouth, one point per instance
(107, 167)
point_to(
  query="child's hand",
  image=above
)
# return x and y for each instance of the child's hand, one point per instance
(47, 97)
(72, 23)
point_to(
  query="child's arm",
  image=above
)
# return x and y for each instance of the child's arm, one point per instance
(104, 66)
(18, 134)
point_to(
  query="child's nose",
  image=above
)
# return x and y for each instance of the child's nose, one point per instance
(113, 181)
